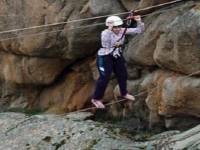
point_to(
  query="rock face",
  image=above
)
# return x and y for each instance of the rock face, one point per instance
(60, 44)
(147, 3)
(171, 94)
(178, 46)
(171, 44)
(130, 4)
(169, 40)
(53, 68)
(35, 59)
(104, 7)
(25, 70)
(71, 93)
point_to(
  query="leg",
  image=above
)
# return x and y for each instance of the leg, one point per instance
(121, 73)
(122, 76)
(105, 65)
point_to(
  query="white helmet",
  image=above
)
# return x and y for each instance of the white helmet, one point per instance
(114, 21)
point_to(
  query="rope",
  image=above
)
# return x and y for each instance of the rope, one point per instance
(87, 19)
(119, 101)
(91, 108)
(159, 5)
(61, 23)
(90, 18)
(108, 104)
(55, 31)
(8, 15)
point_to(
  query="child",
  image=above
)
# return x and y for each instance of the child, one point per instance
(110, 57)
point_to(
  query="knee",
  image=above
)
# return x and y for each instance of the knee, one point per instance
(103, 79)
(122, 76)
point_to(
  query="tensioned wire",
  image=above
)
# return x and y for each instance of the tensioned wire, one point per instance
(92, 108)
(108, 104)
(88, 19)
(61, 23)
(55, 31)
(119, 101)
(72, 21)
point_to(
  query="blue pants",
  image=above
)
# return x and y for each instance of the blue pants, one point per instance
(106, 65)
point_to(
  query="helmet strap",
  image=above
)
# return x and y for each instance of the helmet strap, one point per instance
(110, 27)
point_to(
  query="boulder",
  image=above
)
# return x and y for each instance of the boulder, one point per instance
(177, 48)
(29, 70)
(170, 42)
(171, 95)
(58, 41)
(105, 7)
(148, 3)
(78, 131)
(130, 4)
(71, 92)
(58, 132)
(18, 97)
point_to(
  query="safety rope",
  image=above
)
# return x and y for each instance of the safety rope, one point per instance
(92, 18)
(55, 31)
(159, 5)
(90, 108)
(61, 23)
(122, 100)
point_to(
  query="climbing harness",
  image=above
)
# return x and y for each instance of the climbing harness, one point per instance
(117, 49)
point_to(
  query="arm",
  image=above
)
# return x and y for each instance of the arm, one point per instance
(140, 26)
(139, 29)
(106, 39)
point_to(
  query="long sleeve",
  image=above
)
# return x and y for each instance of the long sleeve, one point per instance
(139, 29)
(106, 39)
(106, 43)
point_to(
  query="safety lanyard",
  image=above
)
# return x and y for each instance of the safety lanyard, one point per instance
(128, 23)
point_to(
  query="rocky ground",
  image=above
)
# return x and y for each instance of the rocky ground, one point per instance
(79, 131)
